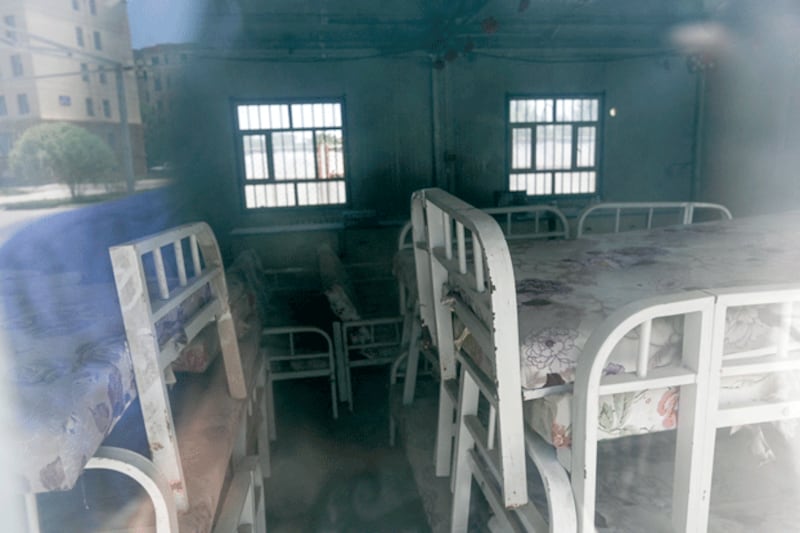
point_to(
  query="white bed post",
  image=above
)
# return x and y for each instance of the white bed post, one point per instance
(693, 464)
(156, 410)
(237, 385)
(464, 442)
(439, 235)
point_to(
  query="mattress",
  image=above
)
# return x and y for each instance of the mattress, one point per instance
(71, 372)
(565, 289)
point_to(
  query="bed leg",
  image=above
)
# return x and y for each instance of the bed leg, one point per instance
(32, 513)
(412, 363)
(462, 473)
(263, 432)
(269, 398)
(444, 432)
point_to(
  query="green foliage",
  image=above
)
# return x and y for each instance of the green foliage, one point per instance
(65, 153)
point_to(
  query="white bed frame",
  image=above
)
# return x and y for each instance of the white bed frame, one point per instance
(647, 211)
(190, 251)
(534, 221)
(493, 451)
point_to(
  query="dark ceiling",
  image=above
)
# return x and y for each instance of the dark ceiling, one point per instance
(448, 28)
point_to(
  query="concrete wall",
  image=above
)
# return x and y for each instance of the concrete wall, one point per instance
(646, 149)
(751, 156)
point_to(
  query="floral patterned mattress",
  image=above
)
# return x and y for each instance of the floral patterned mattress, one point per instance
(71, 372)
(567, 288)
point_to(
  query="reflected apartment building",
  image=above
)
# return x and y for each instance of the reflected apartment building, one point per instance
(58, 63)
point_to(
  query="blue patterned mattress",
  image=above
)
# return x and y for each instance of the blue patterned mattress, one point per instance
(62, 335)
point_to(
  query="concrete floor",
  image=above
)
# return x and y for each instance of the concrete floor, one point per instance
(339, 475)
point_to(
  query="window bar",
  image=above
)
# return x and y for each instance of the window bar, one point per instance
(448, 235)
(650, 218)
(161, 274)
(291, 344)
(270, 156)
(177, 245)
(574, 148)
(195, 255)
(786, 329)
(644, 348)
(477, 252)
(616, 220)
(462, 251)
(317, 169)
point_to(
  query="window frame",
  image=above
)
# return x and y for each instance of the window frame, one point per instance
(239, 150)
(598, 159)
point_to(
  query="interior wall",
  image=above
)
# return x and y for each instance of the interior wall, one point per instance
(646, 150)
(751, 136)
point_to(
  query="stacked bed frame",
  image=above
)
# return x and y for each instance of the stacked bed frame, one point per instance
(208, 438)
(468, 289)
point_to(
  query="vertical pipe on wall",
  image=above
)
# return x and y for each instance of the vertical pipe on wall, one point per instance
(436, 128)
(699, 126)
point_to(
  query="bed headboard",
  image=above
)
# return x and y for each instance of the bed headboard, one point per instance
(170, 286)
(461, 244)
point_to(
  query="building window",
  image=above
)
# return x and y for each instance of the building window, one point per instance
(154, 60)
(11, 22)
(16, 66)
(76, 5)
(98, 44)
(184, 58)
(93, 7)
(554, 145)
(5, 144)
(102, 75)
(85, 72)
(22, 104)
(79, 36)
(157, 82)
(89, 107)
(64, 100)
(3, 107)
(106, 109)
(292, 154)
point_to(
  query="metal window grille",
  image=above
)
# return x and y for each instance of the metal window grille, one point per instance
(292, 154)
(554, 145)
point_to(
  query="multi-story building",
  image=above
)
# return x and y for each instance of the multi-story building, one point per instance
(58, 63)
(160, 73)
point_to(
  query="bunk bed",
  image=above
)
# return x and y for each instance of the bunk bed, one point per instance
(517, 222)
(87, 348)
(571, 342)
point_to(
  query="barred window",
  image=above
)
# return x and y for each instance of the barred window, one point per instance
(554, 145)
(292, 154)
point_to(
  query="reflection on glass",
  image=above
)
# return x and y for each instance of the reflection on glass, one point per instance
(553, 147)
(293, 155)
(330, 156)
(255, 157)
